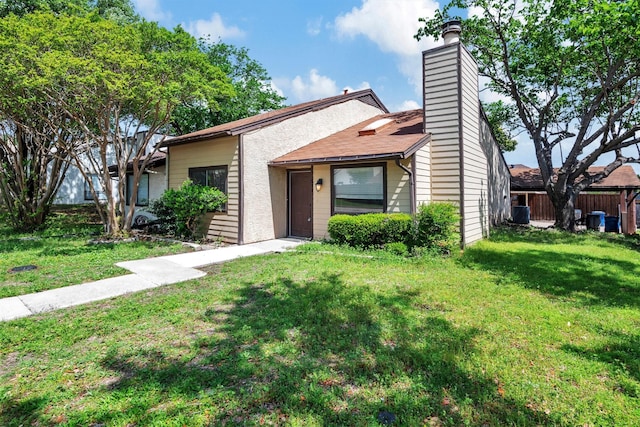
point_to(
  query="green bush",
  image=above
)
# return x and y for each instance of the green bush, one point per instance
(370, 230)
(397, 248)
(181, 210)
(435, 227)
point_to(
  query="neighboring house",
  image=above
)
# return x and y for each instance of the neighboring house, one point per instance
(287, 171)
(75, 189)
(615, 195)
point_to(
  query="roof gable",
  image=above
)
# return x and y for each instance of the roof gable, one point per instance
(276, 116)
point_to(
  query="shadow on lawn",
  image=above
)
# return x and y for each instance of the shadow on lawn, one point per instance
(343, 355)
(587, 279)
(621, 353)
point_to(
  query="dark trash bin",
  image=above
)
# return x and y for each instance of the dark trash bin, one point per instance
(601, 214)
(593, 222)
(520, 214)
(611, 224)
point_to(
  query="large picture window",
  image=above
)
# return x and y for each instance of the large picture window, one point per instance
(359, 189)
(211, 176)
(143, 190)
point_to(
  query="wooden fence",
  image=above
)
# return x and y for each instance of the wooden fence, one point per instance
(541, 209)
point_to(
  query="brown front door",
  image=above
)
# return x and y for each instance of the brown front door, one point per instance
(301, 203)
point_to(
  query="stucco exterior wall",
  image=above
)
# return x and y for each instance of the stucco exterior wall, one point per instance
(215, 152)
(265, 187)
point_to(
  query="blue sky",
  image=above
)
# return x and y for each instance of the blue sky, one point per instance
(314, 49)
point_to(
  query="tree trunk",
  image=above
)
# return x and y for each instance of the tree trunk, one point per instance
(564, 207)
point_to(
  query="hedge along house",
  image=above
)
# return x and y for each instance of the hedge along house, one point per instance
(287, 171)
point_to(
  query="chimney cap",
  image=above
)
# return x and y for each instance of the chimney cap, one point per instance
(452, 25)
(451, 30)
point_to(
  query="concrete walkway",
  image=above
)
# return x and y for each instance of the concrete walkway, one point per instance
(147, 273)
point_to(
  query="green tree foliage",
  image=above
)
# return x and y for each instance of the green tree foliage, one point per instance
(109, 80)
(572, 70)
(502, 119)
(252, 92)
(181, 210)
(118, 10)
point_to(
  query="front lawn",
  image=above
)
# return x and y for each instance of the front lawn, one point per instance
(64, 255)
(537, 328)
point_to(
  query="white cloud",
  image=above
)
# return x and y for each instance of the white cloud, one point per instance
(361, 86)
(487, 95)
(276, 89)
(391, 25)
(213, 29)
(314, 26)
(151, 10)
(407, 105)
(312, 86)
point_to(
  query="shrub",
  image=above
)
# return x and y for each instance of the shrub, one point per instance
(397, 248)
(370, 230)
(435, 227)
(181, 210)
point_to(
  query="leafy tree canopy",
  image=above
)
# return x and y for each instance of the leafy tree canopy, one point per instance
(117, 10)
(502, 119)
(252, 92)
(572, 70)
(102, 82)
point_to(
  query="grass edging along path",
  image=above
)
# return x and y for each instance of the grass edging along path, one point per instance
(534, 329)
(66, 253)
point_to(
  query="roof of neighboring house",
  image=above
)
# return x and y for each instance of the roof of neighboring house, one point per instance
(387, 136)
(624, 177)
(158, 158)
(272, 117)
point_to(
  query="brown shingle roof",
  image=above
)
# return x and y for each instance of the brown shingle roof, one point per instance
(622, 178)
(271, 117)
(399, 138)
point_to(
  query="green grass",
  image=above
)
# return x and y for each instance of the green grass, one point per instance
(525, 329)
(64, 255)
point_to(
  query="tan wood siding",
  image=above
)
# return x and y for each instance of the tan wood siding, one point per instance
(498, 175)
(441, 120)
(475, 184)
(223, 151)
(423, 175)
(398, 194)
(321, 202)
(398, 188)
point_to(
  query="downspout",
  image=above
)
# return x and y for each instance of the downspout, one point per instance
(240, 189)
(412, 187)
